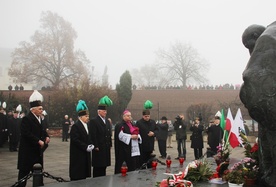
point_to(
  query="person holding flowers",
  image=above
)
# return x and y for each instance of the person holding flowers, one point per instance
(127, 144)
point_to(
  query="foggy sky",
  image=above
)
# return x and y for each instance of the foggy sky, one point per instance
(125, 34)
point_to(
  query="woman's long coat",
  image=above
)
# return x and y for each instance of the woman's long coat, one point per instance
(80, 159)
(197, 137)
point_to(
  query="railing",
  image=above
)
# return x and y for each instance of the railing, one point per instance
(38, 175)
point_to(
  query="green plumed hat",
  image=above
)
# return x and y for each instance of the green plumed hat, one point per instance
(104, 102)
(82, 108)
(147, 106)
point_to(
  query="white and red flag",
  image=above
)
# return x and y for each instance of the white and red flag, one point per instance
(234, 137)
(234, 130)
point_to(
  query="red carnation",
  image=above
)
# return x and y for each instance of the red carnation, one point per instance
(254, 148)
(135, 131)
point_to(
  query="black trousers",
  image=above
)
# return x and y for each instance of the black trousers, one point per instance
(99, 171)
(13, 143)
(21, 174)
(162, 147)
(145, 159)
(214, 150)
(65, 135)
(197, 153)
(181, 147)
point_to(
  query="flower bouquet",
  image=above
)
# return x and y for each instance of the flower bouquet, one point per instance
(234, 176)
(250, 151)
(198, 170)
(247, 168)
(222, 153)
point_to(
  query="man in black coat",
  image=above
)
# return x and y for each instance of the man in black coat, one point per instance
(80, 147)
(14, 131)
(215, 134)
(65, 128)
(3, 126)
(161, 136)
(147, 128)
(101, 138)
(33, 138)
(180, 127)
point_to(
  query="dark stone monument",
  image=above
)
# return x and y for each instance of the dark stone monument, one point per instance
(258, 93)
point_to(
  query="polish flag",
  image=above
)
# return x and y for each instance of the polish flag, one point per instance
(234, 130)
(229, 120)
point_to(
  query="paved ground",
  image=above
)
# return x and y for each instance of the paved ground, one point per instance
(56, 161)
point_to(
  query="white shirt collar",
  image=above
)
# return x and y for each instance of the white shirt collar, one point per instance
(102, 119)
(84, 125)
(37, 117)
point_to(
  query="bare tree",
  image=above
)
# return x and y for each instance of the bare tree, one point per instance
(202, 110)
(182, 63)
(150, 75)
(50, 57)
(146, 75)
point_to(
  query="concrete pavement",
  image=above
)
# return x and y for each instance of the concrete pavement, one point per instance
(56, 161)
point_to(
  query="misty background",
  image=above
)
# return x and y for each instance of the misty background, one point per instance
(125, 35)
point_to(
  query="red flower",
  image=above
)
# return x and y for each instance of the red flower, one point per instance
(215, 175)
(218, 168)
(135, 131)
(254, 148)
(164, 183)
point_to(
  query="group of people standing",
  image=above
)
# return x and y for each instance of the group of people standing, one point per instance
(91, 143)
(134, 144)
(197, 128)
(90, 136)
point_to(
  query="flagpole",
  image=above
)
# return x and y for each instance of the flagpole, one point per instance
(228, 137)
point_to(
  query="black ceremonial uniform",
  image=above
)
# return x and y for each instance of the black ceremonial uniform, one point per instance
(101, 138)
(80, 159)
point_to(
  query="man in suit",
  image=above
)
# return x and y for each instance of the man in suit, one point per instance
(33, 138)
(101, 138)
(80, 145)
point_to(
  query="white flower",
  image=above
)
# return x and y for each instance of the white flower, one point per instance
(192, 165)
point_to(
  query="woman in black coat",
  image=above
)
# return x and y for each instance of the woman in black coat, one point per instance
(197, 138)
